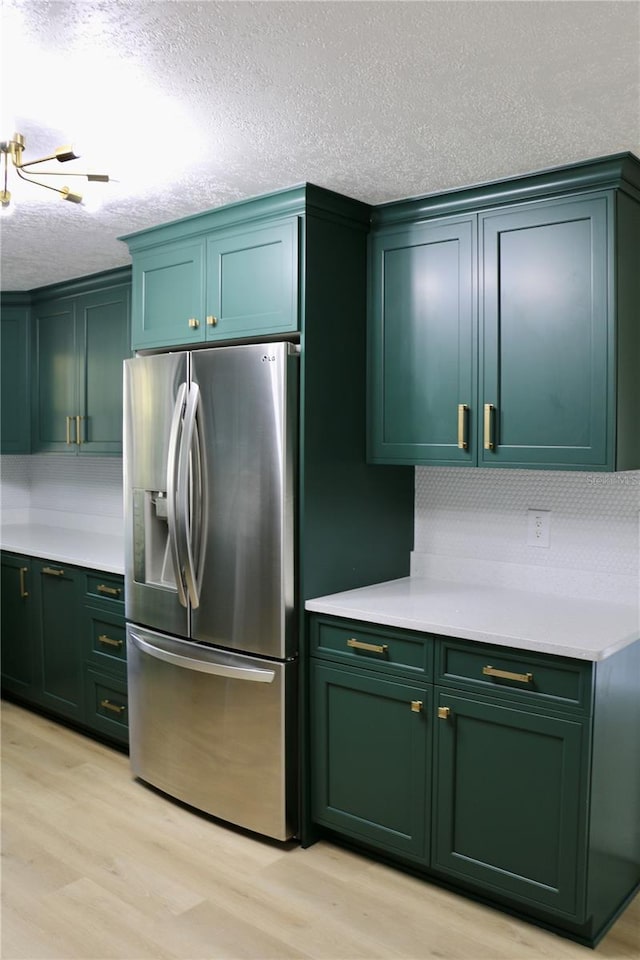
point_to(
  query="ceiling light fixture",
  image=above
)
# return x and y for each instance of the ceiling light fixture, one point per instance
(14, 149)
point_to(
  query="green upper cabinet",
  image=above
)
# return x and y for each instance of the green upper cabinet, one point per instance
(519, 355)
(15, 435)
(79, 343)
(422, 343)
(208, 278)
(546, 334)
(169, 295)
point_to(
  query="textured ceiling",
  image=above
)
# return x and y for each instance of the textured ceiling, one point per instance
(192, 105)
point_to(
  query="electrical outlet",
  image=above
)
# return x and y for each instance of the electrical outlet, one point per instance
(538, 528)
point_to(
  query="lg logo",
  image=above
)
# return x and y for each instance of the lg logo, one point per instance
(268, 358)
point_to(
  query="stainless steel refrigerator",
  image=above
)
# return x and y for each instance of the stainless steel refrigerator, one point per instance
(209, 478)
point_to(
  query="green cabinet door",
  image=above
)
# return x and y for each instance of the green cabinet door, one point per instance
(422, 344)
(15, 381)
(59, 613)
(547, 347)
(252, 281)
(169, 295)
(370, 756)
(18, 666)
(54, 377)
(510, 802)
(103, 343)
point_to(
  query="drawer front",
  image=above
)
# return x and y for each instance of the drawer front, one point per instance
(391, 651)
(107, 708)
(105, 586)
(106, 641)
(515, 674)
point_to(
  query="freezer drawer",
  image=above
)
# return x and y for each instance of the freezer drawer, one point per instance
(214, 729)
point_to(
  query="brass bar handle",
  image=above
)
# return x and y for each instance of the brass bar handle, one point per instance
(114, 707)
(488, 426)
(444, 713)
(193, 323)
(68, 419)
(416, 706)
(211, 320)
(23, 593)
(507, 675)
(79, 419)
(53, 573)
(463, 410)
(369, 647)
(109, 641)
(110, 591)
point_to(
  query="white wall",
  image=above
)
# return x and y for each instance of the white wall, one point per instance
(62, 491)
(472, 524)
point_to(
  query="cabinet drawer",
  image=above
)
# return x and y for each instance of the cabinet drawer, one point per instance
(393, 651)
(105, 640)
(515, 674)
(107, 708)
(104, 586)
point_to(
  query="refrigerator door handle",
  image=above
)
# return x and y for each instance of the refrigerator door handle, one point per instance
(209, 665)
(172, 472)
(184, 505)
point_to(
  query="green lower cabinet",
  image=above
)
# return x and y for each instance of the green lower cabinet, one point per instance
(371, 753)
(509, 810)
(61, 590)
(18, 654)
(106, 704)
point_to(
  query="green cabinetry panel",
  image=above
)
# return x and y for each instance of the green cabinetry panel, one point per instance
(15, 383)
(371, 749)
(59, 625)
(79, 343)
(234, 282)
(547, 334)
(63, 643)
(18, 653)
(168, 292)
(536, 335)
(508, 808)
(422, 348)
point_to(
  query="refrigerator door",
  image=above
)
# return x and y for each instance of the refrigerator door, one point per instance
(155, 396)
(248, 422)
(208, 728)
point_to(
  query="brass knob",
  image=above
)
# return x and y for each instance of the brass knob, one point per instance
(444, 713)
(211, 320)
(193, 323)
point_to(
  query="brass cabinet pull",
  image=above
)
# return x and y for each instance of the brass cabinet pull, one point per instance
(68, 419)
(507, 675)
(109, 641)
(193, 323)
(110, 591)
(53, 573)
(416, 706)
(78, 429)
(463, 410)
(211, 320)
(444, 713)
(369, 647)
(114, 707)
(23, 593)
(488, 426)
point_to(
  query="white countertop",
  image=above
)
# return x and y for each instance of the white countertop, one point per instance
(564, 626)
(83, 548)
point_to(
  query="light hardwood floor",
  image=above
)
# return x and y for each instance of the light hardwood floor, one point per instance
(97, 866)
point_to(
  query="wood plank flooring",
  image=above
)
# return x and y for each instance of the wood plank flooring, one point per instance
(95, 866)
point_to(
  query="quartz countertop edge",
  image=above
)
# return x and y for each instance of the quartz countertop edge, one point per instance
(543, 623)
(80, 548)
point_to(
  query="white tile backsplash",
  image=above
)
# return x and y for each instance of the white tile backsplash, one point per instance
(61, 490)
(472, 524)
